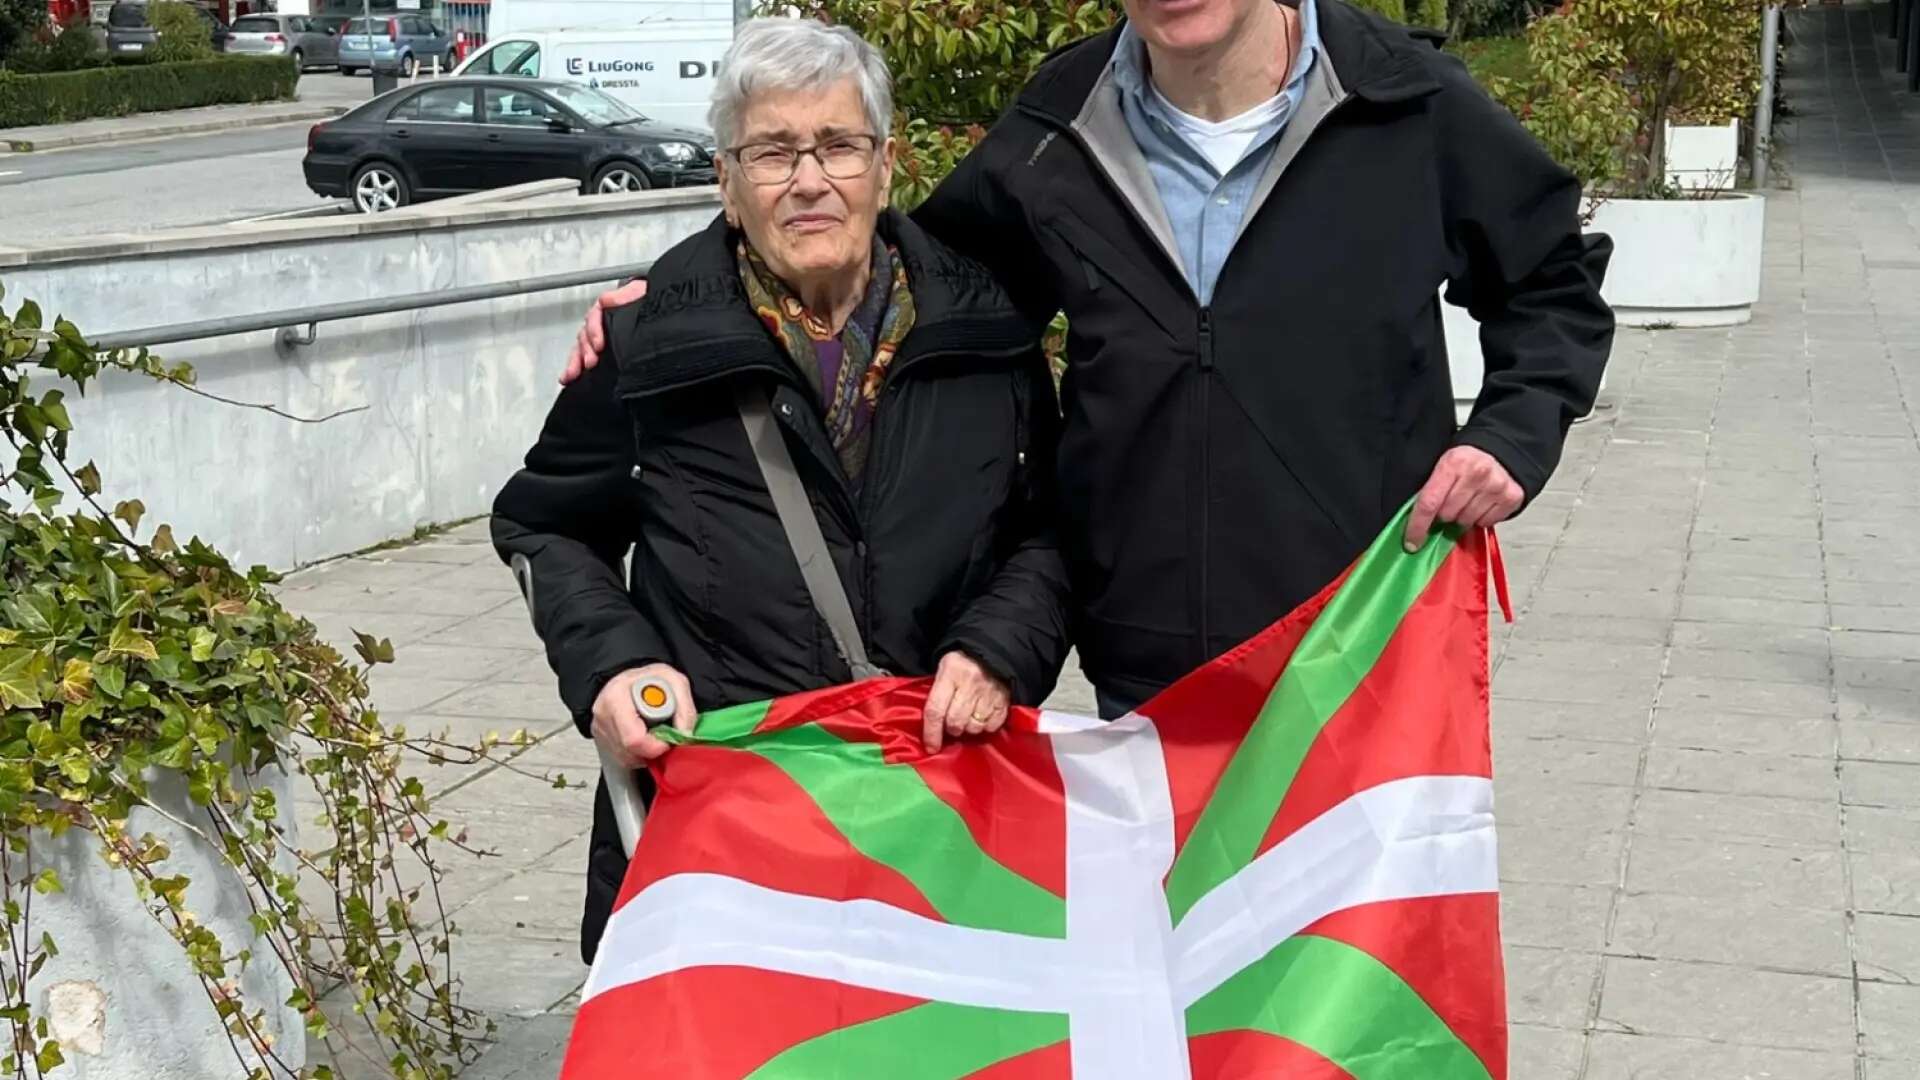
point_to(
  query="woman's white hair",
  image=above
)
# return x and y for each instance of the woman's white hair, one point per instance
(797, 54)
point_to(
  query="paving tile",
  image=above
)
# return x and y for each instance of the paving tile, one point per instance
(1549, 986)
(1727, 1004)
(1558, 856)
(1618, 1056)
(1576, 761)
(1886, 881)
(1544, 1053)
(1880, 740)
(509, 701)
(1737, 773)
(1748, 733)
(1691, 815)
(1876, 783)
(1747, 931)
(1750, 637)
(1720, 871)
(1880, 830)
(1888, 947)
(1876, 644)
(1808, 668)
(1890, 1020)
(398, 694)
(1563, 807)
(1554, 916)
(1747, 695)
(1640, 630)
(525, 1048)
(1602, 722)
(523, 977)
(1756, 610)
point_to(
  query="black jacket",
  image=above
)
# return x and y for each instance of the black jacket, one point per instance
(946, 546)
(1220, 465)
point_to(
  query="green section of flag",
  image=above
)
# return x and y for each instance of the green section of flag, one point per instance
(1333, 657)
(720, 725)
(1344, 1005)
(936, 1041)
(888, 814)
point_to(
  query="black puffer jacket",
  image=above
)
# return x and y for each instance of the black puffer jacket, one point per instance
(946, 546)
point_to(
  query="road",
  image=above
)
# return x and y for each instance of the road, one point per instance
(170, 182)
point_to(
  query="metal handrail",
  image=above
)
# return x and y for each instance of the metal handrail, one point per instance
(287, 318)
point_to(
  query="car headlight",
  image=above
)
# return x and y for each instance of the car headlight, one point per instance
(680, 153)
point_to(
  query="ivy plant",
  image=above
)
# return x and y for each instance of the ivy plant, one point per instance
(127, 655)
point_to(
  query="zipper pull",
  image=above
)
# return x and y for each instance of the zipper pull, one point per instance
(1206, 339)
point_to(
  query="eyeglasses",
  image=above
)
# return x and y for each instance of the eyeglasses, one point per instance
(842, 158)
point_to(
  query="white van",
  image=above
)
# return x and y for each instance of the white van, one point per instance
(663, 69)
(517, 16)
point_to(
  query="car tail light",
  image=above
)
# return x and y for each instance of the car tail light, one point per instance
(393, 29)
(313, 136)
(276, 39)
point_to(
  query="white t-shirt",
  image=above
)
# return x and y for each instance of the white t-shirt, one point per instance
(1226, 142)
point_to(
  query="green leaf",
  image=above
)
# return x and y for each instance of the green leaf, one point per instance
(49, 1058)
(48, 883)
(53, 407)
(28, 318)
(89, 478)
(131, 511)
(373, 650)
(127, 641)
(111, 679)
(20, 671)
(202, 642)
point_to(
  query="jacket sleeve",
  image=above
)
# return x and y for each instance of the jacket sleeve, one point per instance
(1520, 266)
(571, 513)
(1017, 627)
(973, 213)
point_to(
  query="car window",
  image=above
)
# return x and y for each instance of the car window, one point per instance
(519, 108)
(442, 104)
(365, 25)
(125, 16)
(299, 25)
(256, 24)
(511, 58)
(416, 26)
(596, 106)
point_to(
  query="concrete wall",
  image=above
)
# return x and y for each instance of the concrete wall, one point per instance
(452, 396)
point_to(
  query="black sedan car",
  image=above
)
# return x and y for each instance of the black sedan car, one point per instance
(455, 136)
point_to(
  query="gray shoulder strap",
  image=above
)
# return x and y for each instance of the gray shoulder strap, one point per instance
(803, 529)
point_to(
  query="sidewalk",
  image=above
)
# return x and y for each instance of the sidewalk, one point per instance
(320, 95)
(1707, 716)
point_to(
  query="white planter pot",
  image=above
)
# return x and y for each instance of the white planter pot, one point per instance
(1700, 157)
(120, 997)
(1683, 262)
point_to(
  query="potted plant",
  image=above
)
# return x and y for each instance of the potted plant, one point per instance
(156, 706)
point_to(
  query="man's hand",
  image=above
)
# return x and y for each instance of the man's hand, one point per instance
(965, 701)
(619, 728)
(593, 333)
(1468, 488)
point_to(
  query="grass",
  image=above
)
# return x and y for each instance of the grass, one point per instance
(1494, 57)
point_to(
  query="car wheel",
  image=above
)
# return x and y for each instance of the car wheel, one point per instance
(349, 72)
(379, 187)
(409, 67)
(299, 61)
(619, 176)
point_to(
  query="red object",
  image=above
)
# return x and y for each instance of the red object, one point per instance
(393, 29)
(276, 39)
(313, 136)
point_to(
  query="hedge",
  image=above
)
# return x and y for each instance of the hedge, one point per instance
(26, 100)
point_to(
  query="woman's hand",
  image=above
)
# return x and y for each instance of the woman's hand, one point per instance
(965, 701)
(617, 725)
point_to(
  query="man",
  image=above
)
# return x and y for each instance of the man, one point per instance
(1247, 209)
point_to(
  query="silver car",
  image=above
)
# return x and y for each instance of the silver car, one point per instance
(302, 37)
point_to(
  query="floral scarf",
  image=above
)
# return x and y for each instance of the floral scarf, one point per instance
(847, 370)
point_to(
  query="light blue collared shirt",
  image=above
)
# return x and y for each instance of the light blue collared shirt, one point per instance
(1204, 207)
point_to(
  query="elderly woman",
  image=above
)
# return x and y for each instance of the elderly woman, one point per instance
(910, 398)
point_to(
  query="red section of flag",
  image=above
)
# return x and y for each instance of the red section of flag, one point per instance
(733, 812)
(1203, 718)
(1048, 1063)
(1447, 948)
(712, 1022)
(1255, 1055)
(1421, 710)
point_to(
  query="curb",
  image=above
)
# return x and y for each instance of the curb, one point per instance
(194, 127)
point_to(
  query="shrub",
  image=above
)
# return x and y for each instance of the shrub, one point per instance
(72, 49)
(21, 21)
(182, 30)
(1565, 89)
(26, 100)
(1490, 18)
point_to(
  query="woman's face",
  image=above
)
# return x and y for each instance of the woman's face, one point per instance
(819, 221)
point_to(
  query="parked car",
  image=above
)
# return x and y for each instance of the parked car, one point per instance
(471, 134)
(299, 36)
(130, 35)
(402, 43)
(664, 69)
